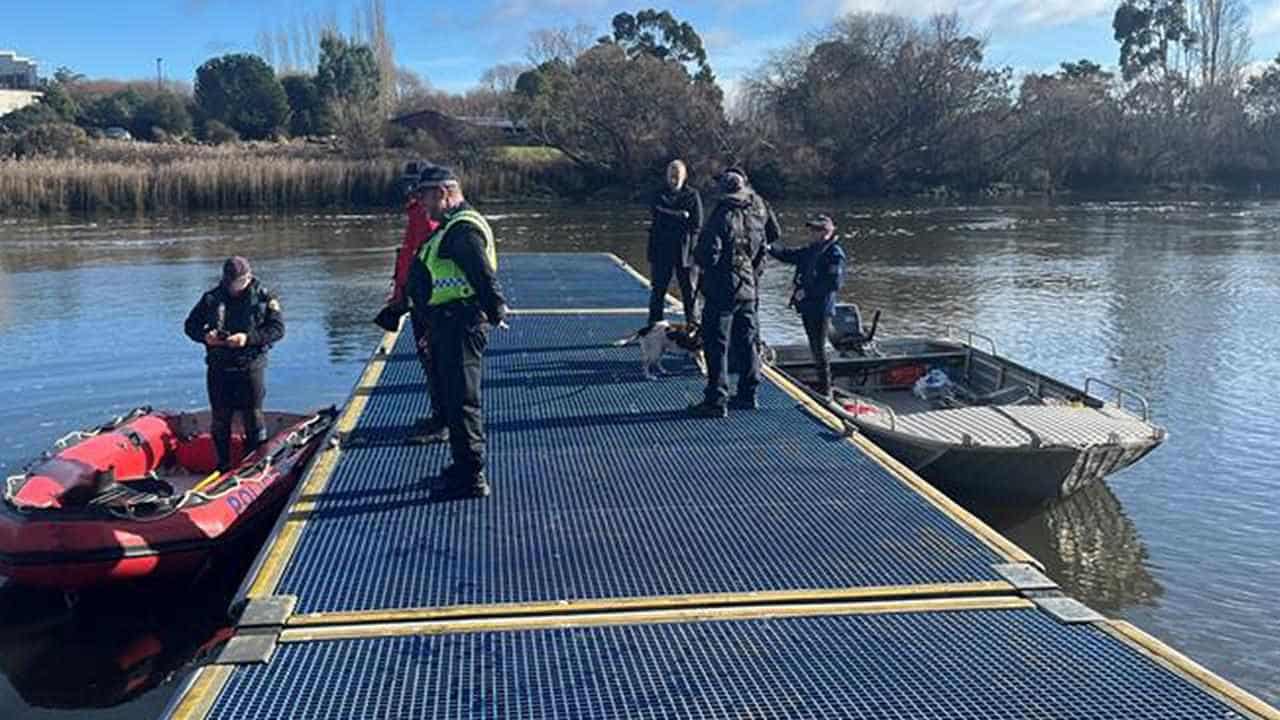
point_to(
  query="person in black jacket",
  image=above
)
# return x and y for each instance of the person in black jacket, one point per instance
(677, 218)
(238, 321)
(730, 253)
(454, 282)
(819, 266)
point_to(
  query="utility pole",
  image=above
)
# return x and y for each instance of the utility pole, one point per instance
(159, 77)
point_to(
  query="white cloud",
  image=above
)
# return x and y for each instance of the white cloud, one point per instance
(989, 13)
(552, 12)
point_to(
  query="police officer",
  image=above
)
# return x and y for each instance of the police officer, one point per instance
(819, 266)
(455, 283)
(237, 322)
(730, 253)
(677, 218)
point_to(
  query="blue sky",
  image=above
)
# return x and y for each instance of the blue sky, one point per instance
(451, 44)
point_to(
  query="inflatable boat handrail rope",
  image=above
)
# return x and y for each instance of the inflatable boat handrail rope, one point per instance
(76, 436)
(318, 424)
(11, 489)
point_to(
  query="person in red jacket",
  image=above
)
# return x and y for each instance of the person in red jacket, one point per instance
(419, 226)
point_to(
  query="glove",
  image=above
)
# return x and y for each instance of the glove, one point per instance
(389, 317)
(500, 317)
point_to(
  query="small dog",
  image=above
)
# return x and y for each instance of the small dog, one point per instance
(661, 338)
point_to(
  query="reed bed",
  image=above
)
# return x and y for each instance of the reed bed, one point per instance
(140, 177)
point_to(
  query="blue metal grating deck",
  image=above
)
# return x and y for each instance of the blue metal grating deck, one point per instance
(568, 281)
(961, 665)
(603, 490)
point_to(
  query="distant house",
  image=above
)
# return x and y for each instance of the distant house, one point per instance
(451, 130)
(18, 82)
(17, 72)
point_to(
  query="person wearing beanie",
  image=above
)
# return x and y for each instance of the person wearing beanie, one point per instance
(819, 267)
(454, 285)
(730, 254)
(237, 321)
(677, 218)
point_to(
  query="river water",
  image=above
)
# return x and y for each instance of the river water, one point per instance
(1173, 300)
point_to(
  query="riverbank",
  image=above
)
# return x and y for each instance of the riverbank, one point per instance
(132, 177)
(122, 176)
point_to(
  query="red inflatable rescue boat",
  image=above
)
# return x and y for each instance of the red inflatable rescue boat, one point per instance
(139, 497)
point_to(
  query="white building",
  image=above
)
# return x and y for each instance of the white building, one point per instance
(17, 72)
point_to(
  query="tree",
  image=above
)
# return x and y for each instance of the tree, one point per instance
(163, 112)
(116, 109)
(241, 92)
(639, 33)
(1222, 28)
(880, 102)
(563, 44)
(502, 78)
(350, 84)
(60, 100)
(308, 113)
(348, 71)
(66, 76)
(1146, 30)
(621, 118)
(1066, 117)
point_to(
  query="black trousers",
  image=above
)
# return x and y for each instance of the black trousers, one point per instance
(661, 270)
(420, 321)
(815, 327)
(236, 390)
(458, 340)
(730, 330)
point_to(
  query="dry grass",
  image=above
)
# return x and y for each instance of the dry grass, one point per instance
(144, 177)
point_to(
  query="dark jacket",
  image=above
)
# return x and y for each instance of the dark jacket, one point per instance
(819, 267)
(255, 312)
(464, 244)
(731, 247)
(672, 233)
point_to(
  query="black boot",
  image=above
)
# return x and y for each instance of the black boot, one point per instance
(705, 409)
(429, 430)
(460, 487)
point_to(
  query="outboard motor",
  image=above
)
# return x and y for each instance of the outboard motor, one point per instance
(847, 332)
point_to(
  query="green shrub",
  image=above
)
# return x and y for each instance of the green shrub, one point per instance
(218, 133)
(56, 139)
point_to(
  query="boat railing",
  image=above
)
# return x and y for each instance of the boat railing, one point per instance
(968, 336)
(1121, 394)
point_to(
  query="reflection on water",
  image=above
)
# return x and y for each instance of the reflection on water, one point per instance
(1088, 546)
(1174, 300)
(109, 650)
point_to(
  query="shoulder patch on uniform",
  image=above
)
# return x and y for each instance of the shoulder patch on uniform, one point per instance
(274, 305)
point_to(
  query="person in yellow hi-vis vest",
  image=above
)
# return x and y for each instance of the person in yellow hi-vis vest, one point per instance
(454, 283)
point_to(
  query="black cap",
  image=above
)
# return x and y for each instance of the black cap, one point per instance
(409, 178)
(235, 271)
(436, 176)
(821, 221)
(235, 268)
(737, 170)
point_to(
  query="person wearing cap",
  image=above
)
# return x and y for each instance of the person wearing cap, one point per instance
(455, 284)
(237, 321)
(677, 218)
(819, 267)
(730, 253)
(419, 226)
